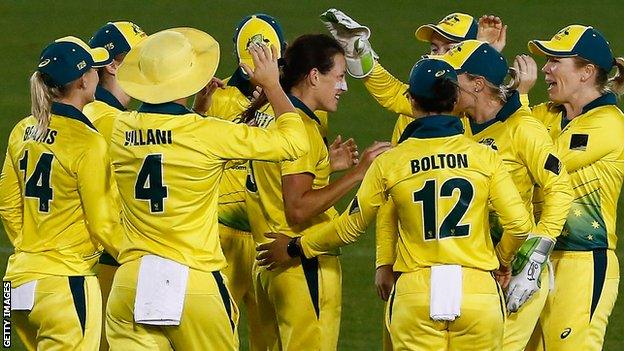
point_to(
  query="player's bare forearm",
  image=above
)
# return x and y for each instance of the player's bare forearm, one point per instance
(302, 205)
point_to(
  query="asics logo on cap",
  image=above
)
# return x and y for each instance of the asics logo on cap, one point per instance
(82, 64)
(44, 63)
(440, 73)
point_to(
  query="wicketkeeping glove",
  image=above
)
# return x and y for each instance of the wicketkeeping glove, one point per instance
(526, 269)
(353, 37)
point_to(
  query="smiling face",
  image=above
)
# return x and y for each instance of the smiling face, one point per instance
(439, 44)
(564, 78)
(331, 85)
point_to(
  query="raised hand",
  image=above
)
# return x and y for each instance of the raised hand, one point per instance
(203, 98)
(369, 156)
(343, 155)
(492, 30)
(526, 67)
(265, 72)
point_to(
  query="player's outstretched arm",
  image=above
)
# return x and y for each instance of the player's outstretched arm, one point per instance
(287, 141)
(302, 202)
(514, 218)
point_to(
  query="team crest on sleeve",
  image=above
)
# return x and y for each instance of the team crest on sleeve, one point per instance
(553, 164)
(578, 142)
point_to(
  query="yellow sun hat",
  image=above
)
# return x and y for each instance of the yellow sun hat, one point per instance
(169, 65)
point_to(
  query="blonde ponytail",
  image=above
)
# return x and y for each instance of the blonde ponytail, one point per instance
(41, 103)
(514, 82)
(616, 83)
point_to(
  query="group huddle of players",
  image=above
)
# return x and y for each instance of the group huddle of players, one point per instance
(147, 229)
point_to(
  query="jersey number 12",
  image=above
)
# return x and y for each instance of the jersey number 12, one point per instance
(450, 226)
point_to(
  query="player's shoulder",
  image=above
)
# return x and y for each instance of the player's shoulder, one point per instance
(546, 112)
(21, 130)
(484, 155)
(523, 123)
(96, 110)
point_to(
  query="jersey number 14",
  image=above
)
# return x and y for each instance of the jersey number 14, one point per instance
(37, 186)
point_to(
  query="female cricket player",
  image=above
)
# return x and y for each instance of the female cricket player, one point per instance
(229, 103)
(450, 180)
(56, 204)
(168, 291)
(499, 121)
(117, 38)
(587, 128)
(301, 304)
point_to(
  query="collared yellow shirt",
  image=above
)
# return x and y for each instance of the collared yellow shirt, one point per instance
(168, 163)
(264, 185)
(103, 110)
(590, 147)
(229, 104)
(530, 158)
(441, 183)
(56, 199)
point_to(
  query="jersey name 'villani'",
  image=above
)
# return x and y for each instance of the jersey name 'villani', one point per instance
(140, 137)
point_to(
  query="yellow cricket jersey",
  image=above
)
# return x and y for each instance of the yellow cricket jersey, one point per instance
(56, 198)
(168, 163)
(530, 158)
(390, 92)
(591, 149)
(103, 110)
(264, 185)
(441, 183)
(229, 104)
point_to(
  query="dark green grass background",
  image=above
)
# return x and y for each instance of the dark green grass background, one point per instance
(27, 26)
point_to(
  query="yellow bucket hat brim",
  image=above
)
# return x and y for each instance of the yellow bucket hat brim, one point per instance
(133, 80)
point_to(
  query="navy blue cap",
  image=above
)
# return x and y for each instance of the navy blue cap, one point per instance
(577, 40)
(68, 58)
(425, 73)
(117, 37)
(478, 58)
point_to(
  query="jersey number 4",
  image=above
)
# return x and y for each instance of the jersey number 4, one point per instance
(37, 186)
(450, 226)
(149, 183)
